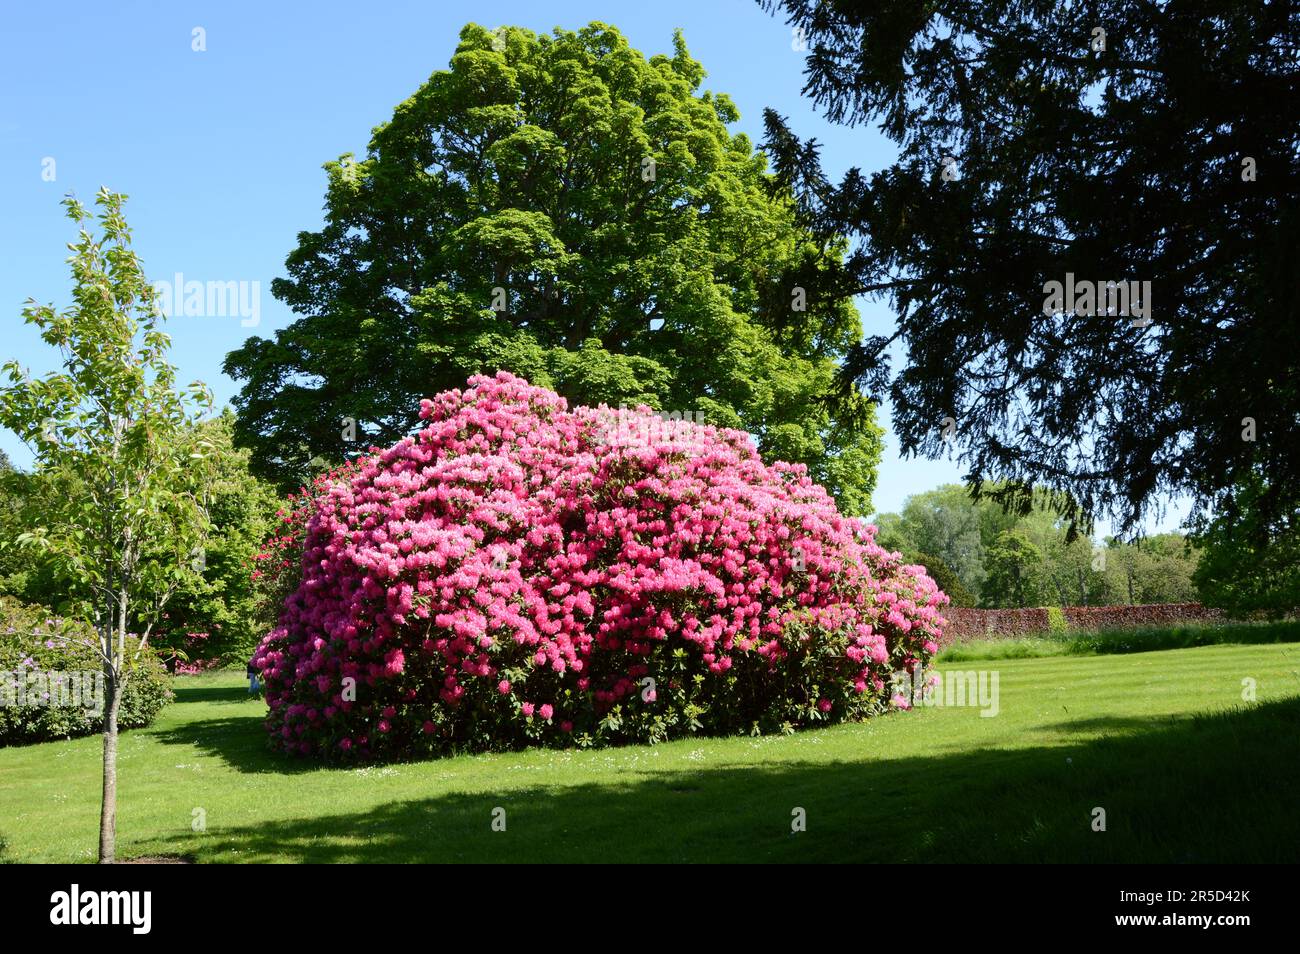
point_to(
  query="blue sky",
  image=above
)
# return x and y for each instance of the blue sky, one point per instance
(220, 150)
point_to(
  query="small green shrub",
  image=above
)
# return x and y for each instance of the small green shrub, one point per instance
(51, 683)
(1056, 623)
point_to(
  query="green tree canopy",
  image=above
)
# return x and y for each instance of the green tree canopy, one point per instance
(1014, 569)
(1109, 140)
(221, 600)
(1156, 569)
(945, 523)
(563, 208)
(1251, 557)
(1028, 559)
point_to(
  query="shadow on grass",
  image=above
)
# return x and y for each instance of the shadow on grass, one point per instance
(1115, 725)
(1212, 788)
(239, 741)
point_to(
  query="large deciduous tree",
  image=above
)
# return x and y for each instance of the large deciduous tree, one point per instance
(123, 471)
(1015, 571)
(565, 209)
(1124, 141)
(946, 523)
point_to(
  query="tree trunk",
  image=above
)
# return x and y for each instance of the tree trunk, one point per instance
(108, 806)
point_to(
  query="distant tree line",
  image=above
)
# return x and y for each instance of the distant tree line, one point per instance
(984, 556)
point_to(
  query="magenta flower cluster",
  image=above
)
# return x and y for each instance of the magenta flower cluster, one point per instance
(520, 572)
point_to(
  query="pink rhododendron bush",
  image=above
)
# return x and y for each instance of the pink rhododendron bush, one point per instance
(522, 573)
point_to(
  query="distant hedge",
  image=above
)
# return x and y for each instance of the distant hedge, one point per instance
(968, 623)
(1125, 617)
(965, 624)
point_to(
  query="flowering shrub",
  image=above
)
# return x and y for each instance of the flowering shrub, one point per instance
(521, 573)
(193, 667)
(51, 680)
(187, 658)
(277, 568)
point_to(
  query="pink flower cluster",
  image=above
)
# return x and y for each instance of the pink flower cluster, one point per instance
(195, 666)
(520, 572)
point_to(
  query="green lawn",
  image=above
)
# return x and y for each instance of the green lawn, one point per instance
(1185, 770)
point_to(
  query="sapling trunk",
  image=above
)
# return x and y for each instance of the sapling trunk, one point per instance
(108, 805)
